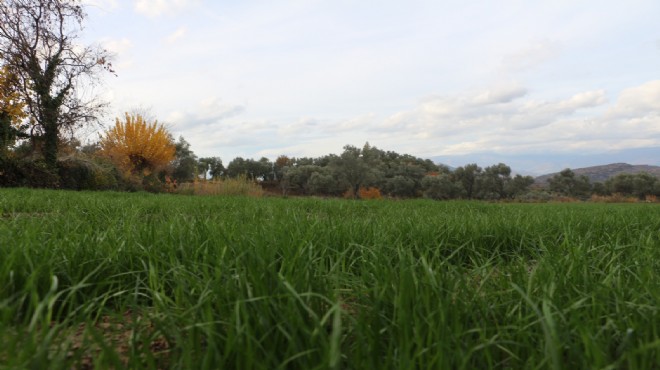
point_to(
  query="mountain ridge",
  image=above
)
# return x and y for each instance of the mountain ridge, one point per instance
(603, 172)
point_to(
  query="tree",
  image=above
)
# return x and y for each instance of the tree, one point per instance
(137, 146)
(354, 168)
(255, 170)
(639, 185)
(441, 187)
(566, 183)
(11, 111)
(281, 164)
(518, 185)
(468, 176)
(491, 183)
(323, 182)
(38, 41)
(212, 165)
(400, 186)
(184, 165)
(297, 179)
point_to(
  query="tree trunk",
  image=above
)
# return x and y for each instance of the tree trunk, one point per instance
(50, 147)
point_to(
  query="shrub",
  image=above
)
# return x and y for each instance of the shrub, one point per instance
(138, 147)
(81, 173)
(370, 193)
(27, 172)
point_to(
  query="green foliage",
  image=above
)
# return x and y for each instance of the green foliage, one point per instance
(297, 178)
(490, 185)
(441, 187)
(639, 185)
(400, 186)
(568, 184)
(261, 170)
(27, 172)
(212, 165)
(184, 166)
(518, 185)
(82, 173)
(323, 182)
(468, 176)
(356, 167)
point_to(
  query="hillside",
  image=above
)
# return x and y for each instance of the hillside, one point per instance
(604, 172)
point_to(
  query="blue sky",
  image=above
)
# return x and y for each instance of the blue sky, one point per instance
(540, 85)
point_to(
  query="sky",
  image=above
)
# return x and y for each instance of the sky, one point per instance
(539, 85)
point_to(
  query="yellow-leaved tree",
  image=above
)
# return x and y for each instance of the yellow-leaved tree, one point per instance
(12, 110)
(136, 146)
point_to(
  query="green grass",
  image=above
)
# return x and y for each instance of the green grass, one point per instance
(165, 281)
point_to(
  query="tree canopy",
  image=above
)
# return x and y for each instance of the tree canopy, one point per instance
(55, 74)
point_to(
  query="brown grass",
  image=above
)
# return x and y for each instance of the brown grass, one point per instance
(238, 186)
(614, 198)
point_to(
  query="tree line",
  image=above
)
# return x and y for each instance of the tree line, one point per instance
(639, 185)
(390, 173)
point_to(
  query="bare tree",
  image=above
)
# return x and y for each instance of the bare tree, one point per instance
(38, 42)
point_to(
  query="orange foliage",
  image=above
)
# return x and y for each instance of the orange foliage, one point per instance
(10, 102)
(137, 146)
(370, 193)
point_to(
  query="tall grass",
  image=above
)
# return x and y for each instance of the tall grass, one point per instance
(232, 186)
(163, 281)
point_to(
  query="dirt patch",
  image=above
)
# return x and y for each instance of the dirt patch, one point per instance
(125, 335)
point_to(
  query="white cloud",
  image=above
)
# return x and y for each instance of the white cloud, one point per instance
(155, 8)
(471, 123)
(500, 95)
(496, 120)
(638, 101)
(211, 112)
(176, 35)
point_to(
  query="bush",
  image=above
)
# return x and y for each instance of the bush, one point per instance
(28, 173)
(81, 173)
(370, 193)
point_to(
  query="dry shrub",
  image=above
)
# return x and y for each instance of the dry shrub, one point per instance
(614, 198)
(365, 193)
(564, 199)
(370, 193)
(651, 199)
(236, 186)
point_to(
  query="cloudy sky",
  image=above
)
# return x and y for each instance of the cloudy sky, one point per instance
(539, 85)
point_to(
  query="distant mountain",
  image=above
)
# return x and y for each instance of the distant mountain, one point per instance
(602, 173)
(542, 162)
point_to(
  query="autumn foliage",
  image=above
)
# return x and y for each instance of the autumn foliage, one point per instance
(364, 193)
(10, 104)
(370, 193)
(137, 146)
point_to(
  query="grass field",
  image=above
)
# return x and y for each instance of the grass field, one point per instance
(102, 280)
